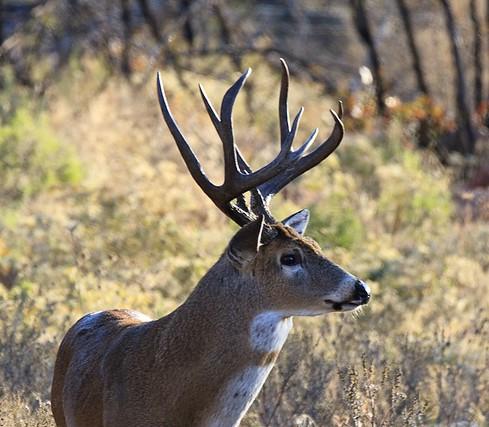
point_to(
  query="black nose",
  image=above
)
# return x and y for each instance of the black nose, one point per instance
(362, 292)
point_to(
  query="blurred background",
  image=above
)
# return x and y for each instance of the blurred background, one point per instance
(97, 210)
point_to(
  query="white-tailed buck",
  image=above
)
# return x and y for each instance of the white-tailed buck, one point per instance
(204, 363)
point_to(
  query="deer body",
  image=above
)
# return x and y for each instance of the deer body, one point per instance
(204, 363)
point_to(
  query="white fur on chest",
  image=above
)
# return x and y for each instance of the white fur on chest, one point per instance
(268, 332)
(238, 396)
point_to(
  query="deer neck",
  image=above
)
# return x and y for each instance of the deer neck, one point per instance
(228, 304)
(235, 339)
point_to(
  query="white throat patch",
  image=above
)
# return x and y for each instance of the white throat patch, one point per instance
(269, 330)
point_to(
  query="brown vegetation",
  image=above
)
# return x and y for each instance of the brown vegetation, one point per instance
(97, 210)
(128, 229)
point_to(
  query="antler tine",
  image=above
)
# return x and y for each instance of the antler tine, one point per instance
(340, 109)
(216, 121)
(230, 160)
(297, 163)
(186, 152)
(308, 142)
(283, 109)
(235, 181)
(260, 201)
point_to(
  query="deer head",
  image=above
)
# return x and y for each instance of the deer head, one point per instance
(294, 276)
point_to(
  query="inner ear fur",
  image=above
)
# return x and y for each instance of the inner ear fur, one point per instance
(245, 244)
(298, 221)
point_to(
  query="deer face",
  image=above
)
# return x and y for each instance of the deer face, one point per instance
(292, 275)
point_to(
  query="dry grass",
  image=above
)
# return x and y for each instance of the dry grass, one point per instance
(135, 232)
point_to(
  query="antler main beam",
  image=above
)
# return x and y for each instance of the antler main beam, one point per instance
(238, 175)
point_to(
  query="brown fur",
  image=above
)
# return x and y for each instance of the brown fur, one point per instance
(114, 370)
(304, 241)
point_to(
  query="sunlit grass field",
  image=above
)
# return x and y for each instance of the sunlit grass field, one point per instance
(97, 211)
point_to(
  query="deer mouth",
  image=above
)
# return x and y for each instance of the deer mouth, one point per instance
(344, 305)
(360, 296)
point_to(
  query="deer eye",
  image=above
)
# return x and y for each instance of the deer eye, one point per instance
(290, 259)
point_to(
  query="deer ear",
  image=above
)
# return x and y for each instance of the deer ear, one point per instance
(246, 242)
(298, 221)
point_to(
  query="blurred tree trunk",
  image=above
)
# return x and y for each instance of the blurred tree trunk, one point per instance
(486, 119)
(413, 48)
(226, 33)
(1, 22)
(360, 21)
(154, 27)
(2, 57)
(127, 36)
(467, 135)
(474, 16)
(424, 134)
(150, 19)
(229, 31)
(188, 31)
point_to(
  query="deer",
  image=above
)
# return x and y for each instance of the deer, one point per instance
(204, 363)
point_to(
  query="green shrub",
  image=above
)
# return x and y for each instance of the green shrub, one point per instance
(411, 197)
(336, 223)
(32, 158)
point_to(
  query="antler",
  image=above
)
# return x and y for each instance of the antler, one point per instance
(238, 175)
